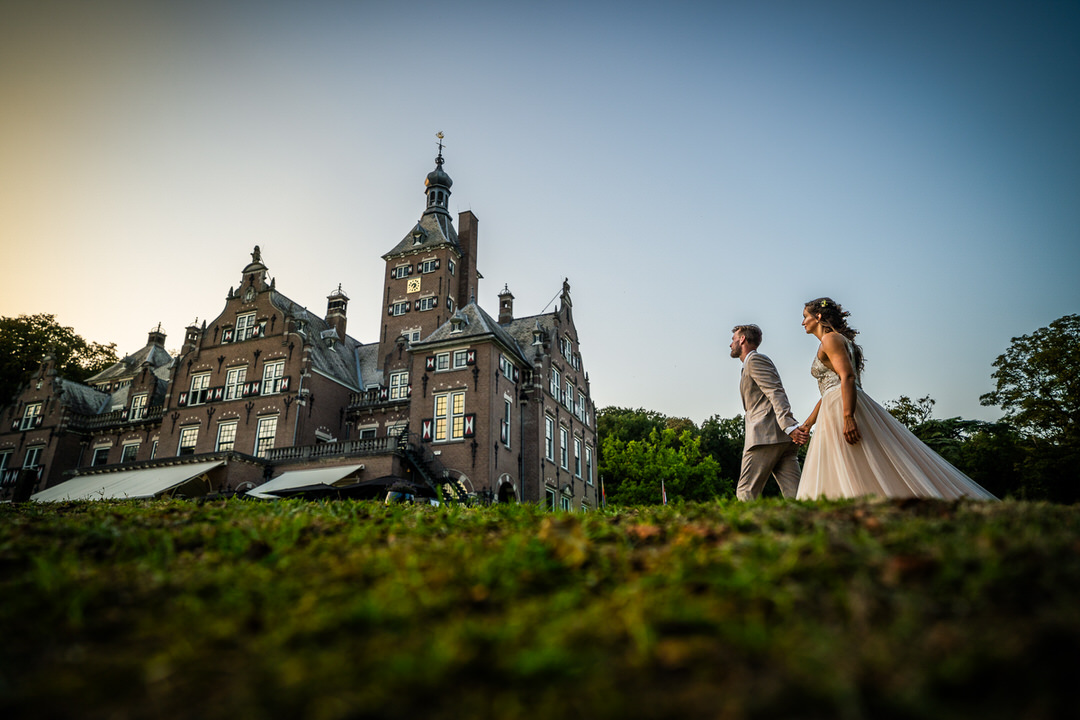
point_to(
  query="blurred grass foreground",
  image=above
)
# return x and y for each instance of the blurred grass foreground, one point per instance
(293, 609)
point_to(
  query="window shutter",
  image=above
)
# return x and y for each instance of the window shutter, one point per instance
(227, 336)
(390, 310)
(15, 426)
(181, 399)
(284, 386)
(384, 394)
(470, 357)
(470, 425)
(516, 375)
(425, 429)
(438, 264)
(430, 362)
(217, 393)
(408, 391)
(38, 420)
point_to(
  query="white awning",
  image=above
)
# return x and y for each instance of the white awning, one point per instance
(303, 478)
(125, 484)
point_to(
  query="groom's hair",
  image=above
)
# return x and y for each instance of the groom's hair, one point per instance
(752, 333)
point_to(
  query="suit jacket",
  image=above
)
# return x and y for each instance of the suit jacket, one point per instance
(768, 411)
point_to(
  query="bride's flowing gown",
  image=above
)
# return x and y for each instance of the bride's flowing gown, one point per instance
(889, 461)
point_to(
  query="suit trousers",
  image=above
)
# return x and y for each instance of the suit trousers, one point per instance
(759, 462)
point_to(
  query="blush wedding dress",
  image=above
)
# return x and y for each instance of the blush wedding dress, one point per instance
(889, 461)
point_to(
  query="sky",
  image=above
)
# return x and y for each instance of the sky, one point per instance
(687, 166)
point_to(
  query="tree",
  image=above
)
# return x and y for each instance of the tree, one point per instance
(1038, 382)
(911, 413)
(26, 339)
(639, 468)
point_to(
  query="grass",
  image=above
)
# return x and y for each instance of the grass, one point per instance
(292, 609)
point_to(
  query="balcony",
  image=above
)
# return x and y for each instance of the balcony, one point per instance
(378, 398)
(352, 448)
(153, 413)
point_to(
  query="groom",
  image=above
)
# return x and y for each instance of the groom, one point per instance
(772, 432)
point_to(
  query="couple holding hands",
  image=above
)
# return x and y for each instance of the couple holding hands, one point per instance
(858, 449)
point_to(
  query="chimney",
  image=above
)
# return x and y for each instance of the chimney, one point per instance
(191, 339)
(506, 306)
(470, 279)
(156, 336)
(336, 303)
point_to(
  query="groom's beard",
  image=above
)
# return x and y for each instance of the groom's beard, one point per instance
(735, 353)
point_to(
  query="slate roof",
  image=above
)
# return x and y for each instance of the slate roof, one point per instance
(156, 355)
(367, 358)
(521, 329)
(437, 230)
(477, 324)
(336, 359)
(81, 398)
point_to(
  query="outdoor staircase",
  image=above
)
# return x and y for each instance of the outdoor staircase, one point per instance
(427, 466)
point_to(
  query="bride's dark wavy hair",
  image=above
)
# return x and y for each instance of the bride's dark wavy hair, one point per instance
(834, 318)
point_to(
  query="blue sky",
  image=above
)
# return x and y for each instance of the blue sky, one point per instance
(688, 166)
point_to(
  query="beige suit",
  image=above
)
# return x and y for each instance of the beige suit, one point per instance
(768, 450)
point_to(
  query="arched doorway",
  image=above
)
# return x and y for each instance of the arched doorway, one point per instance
(506, 493)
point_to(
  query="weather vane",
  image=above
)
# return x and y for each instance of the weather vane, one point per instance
(440, 136)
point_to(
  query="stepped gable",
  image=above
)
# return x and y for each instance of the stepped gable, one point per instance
(474, 323)
(522, 329)
(430, 232)
(330, 356)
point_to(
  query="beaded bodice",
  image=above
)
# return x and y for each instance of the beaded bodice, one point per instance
(826, 378)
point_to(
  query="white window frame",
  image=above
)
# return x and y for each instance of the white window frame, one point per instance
(399, 385)
(427, 303)
(192, 432)
(273, 372)
(226, 435)
(577, 457)
(199, 389)
(33, 457)
(442, 362)
(549, 438)
(568, 400)
(555, 386)
(30, 415)
(449, 416)
(125, 448)
(461, 359)
(506, 367)
(581, 406)
(429, 266)
(245, 327)
(588, 464)
(137, 411)
(5, 457)
(508, 413)
(399, 308)
(401, 272)
(564, 449)
(234, 382)
(265, 434)
(94, 458)
(551, 498)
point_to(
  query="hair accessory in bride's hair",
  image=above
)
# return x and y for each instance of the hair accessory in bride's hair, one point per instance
(824, 303)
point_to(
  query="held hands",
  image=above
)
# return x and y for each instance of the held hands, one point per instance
(800, 435)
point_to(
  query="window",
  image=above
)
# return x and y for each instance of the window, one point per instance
(412, 335)
(399, 385)
(442, 361)
(588, 464)
(556, 383)
(564, 449)
(368, 433)
(153, 450)
(427, 303)
(504, 429)
(138, 408)
(552, 499)
(399, 308)
(450, 303)
(581, 406)
(577, 457)
(273, 381)
(200, 385)
(33, 457)
(401, 271)
(129, 453)
(31, 416)
(506, 367)
(226, 436)
(4, 458)
(234, 382)
(450, 416)
(564, 503)
(549, 437)
(568, 400)
(245, 326)
(101, 456)
(188, 438)
(461, 358)
(567, 348)
(453, 266)
(264, 437)
(429, 266)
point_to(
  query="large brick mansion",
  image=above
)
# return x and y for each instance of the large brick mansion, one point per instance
(270, 398)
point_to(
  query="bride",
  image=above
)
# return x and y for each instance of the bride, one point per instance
(859, 448)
